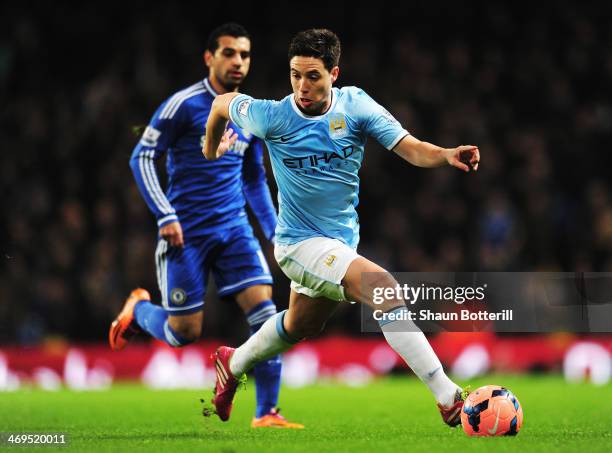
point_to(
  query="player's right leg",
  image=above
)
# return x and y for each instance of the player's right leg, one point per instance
(404, 336)
(181, 277)
(240, 271)
(316, 267)
(314, 297)
(305, 317)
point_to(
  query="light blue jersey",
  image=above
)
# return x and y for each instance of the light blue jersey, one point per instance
(316, 159)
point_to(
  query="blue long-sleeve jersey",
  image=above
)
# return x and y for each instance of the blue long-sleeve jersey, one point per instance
(203, 195)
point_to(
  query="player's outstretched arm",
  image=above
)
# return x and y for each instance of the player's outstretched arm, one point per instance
(423, 154)
(218, 140)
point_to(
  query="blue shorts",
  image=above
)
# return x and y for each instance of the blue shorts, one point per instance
(233, 255)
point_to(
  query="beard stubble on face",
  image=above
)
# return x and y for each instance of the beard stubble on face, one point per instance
(228, 82)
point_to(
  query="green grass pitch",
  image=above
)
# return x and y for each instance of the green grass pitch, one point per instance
(394, 414)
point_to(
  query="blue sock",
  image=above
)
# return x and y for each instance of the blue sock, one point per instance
(154, 320)
(268, 372)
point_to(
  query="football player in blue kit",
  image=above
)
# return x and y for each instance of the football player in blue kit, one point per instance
(202, 221)
(316, 138)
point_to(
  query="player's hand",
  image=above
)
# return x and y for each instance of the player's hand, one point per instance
(465, 157)
(173, 233)
(227, 141)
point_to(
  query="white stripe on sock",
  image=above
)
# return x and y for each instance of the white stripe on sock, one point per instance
(261, 316)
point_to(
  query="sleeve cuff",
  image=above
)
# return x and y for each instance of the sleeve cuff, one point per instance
(167, 219)
(400, 136)
(231, 108)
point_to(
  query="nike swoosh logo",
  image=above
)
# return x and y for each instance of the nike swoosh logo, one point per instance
(494, 429)
(431, 373)
(285, 139)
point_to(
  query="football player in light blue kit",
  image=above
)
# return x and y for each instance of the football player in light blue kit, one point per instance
(316, 138)
(203, 225)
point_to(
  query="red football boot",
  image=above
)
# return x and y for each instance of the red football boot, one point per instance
(452, 414)
(226, 384)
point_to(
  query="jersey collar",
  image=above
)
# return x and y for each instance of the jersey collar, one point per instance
(314, 117)
(209, 87)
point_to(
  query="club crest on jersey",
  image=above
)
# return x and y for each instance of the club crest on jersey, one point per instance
(337, 126)
(178, 296)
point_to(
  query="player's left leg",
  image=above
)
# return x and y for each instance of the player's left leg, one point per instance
(403, 335)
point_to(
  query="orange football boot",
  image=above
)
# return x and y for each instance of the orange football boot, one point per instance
(274, 419)
(124, 328)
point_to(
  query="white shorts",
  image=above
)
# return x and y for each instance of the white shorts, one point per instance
(316, 266)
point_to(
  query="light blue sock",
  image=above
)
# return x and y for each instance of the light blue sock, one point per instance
(268, 372)
(153, 319)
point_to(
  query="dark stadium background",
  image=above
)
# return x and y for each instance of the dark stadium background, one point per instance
(530, 84)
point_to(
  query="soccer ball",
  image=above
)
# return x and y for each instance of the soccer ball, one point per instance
(491, 411)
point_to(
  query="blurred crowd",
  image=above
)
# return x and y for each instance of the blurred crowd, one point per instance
(530, 87)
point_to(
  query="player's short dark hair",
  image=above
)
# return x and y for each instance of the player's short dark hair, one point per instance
(227, 29)
(319, 43)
